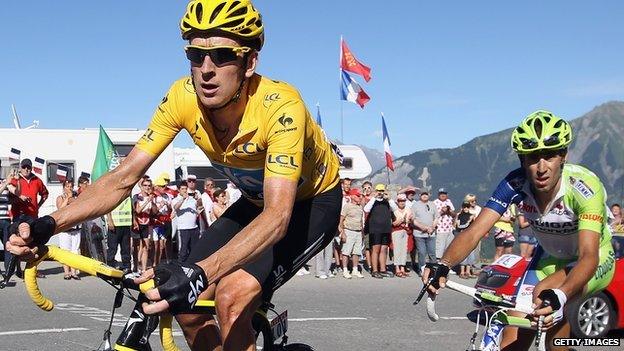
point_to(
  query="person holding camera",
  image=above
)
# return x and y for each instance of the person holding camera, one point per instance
(186, 207)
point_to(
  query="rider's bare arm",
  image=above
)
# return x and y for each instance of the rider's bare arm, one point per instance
(467, 240)
(585, 268)
(263, 232)
(102, 197)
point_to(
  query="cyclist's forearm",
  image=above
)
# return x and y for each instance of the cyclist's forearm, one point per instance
(578, 277)
(247, 245)
(97, 200)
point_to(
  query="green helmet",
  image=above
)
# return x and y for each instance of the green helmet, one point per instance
(541, 130)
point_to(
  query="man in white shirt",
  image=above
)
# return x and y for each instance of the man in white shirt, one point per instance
(186, 207)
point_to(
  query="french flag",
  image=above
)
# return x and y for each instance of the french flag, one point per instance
(386, 142)
(351, 91)
(38, 165)
(61, 173)
(14, 155)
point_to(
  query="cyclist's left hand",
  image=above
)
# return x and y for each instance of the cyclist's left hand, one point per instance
(554, 312)
(177, 289)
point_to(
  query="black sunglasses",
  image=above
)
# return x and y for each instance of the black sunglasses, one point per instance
(530, 144)
(219, 55)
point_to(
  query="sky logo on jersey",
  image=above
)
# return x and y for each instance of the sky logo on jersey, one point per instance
(582, 187)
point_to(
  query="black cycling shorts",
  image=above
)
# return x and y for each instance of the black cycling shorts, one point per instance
(312, 227)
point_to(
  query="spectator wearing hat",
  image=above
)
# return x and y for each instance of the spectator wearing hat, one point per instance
(29, 193)
(350, 228)
(425, 221)
(462, 222)
(379, 227)
(400, 227)
(161, 221)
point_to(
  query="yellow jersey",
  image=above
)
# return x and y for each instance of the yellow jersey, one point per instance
(277, 137)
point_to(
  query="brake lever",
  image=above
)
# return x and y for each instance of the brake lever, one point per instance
(423, 291)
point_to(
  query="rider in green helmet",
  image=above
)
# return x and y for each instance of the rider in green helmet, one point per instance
(565, 206)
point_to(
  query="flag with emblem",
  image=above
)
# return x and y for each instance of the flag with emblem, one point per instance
(106, 157)
(61, 173)
(38, 165)
(348, 62)
(351, 91)
(318, 115)
(386, 143)
(15, 154)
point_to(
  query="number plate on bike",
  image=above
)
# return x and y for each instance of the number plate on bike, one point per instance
(279, 325)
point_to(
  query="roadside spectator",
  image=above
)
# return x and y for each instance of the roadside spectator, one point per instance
(367, 190)
(350, 228)
(5, 218)
(161, 231)
(444, 230)
(345, 183)
(143, 210)
(207, 198)
(425, 221)
(220, 204)
(475, 209)
(69, 239)
(410, 193)
(400, 227)
(185, 207)
(526, 238)
(503, 232)
(443, 200)
(463, 221)
(616, 223)
(191, 180)
(29, 194)
(379, 226)
(92, 233)
(119, 224)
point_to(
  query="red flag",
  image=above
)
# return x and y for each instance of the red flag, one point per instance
(348, 62)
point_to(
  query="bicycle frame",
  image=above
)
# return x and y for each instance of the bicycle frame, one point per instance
(494, 323)
(139, 327)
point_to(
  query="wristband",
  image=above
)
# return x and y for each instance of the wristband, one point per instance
(557, 300)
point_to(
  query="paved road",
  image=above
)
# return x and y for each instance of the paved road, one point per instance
(333, 314)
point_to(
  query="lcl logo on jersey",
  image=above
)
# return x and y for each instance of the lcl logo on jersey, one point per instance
(270, 98)
(148, 135)
(283, 160)
(249, 149)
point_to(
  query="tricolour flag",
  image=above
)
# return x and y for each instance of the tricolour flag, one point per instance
(14, 155)
(61, 173)
(38, 165)
(351, 91)
(106, 158)
(318, 115)
(348, 62)
(386, 142)
(85, 175)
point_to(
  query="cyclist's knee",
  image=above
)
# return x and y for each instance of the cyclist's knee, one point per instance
(237, 301)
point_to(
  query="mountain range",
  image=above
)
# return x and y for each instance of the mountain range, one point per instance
(478, 165)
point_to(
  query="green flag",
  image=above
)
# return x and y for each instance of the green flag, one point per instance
(105, 156)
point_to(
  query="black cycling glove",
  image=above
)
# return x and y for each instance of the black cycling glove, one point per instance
(41, 229)
(180, 284)
(436, 271)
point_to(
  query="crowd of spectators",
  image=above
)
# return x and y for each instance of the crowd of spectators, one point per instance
(378, 230)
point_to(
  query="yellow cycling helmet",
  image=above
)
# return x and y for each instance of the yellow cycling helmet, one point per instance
(237, 18)
(541, 130)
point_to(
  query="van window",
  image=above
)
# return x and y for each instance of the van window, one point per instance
(347, 163)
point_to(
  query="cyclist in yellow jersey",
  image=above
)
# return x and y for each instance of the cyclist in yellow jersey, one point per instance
(260, 135)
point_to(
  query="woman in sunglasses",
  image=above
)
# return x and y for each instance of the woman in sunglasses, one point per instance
(259, 134)
(565, 206)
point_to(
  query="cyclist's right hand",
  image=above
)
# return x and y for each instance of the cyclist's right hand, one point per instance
(27, 233)
(434, 276)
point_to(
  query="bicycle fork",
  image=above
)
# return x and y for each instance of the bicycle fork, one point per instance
(138, 328)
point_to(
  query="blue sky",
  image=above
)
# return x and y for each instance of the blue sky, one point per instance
(443, 72)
